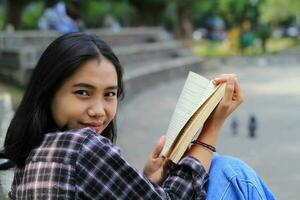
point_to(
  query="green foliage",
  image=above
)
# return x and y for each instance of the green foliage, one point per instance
(263, 33)
(208, 48)
(202, 7)
(94, 11)
(198, 8)
(2, 15)
(169, 16)
(275, 11)
(31, 15)
(236, 12)
(247, 39)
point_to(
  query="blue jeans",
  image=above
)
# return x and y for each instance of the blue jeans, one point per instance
(232, 179)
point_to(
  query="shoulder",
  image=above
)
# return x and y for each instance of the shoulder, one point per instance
(75, 136)
(95, 145)
(65, 146)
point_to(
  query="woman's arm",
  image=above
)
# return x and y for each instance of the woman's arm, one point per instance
(155, 167)
(102, 173)
(212, 127)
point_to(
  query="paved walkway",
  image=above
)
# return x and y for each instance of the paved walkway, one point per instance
(271, 93)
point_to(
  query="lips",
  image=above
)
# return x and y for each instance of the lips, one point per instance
(97, 126)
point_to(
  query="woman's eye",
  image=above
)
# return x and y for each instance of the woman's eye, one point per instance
(82, 92)
(110, 94)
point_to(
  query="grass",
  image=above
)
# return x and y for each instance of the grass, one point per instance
(207, 48)
(15, 91)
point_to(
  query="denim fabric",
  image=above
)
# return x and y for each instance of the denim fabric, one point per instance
(232, 179)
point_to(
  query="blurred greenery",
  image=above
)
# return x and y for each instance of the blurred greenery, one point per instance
(276, 11)
(170, 13)
(15, 91)
(31, 15)
(94, 12)
(2, 13)
(207, 48)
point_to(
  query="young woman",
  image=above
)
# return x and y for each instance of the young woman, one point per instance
(61, 137)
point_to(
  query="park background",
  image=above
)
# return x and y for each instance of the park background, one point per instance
(256, 39)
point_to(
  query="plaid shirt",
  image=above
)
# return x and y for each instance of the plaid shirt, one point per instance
(80, 164)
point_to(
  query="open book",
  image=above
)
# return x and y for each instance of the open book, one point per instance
(197, 100)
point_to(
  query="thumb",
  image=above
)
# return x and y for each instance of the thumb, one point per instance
(159, 146)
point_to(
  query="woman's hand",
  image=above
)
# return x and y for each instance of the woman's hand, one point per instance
(155, 167)
(212, 127)
(231, 100)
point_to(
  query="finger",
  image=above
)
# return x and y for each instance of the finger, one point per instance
(159, 146)
(229, 90)
(237, 91)
(222, 78)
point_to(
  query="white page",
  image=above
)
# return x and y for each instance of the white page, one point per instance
(195, 91)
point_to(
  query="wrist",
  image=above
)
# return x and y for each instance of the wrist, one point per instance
(204, 145)
(210, 134)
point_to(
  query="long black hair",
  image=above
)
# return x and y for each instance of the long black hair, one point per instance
(59, 61)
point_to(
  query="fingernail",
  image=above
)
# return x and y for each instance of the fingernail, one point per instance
(215, 81)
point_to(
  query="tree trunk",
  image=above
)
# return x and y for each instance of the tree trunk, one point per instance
(184, 24)
(149, 13)
(13, 14)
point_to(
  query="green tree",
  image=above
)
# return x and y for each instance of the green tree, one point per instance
(31, 14)
(2, 14)
(184, 25)
(236, 12)
(182, 14)
(14, 9)
(275, 11)
(178, 14)
(149, 12)
(93, 12)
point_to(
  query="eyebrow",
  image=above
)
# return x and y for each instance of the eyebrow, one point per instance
(86, 85)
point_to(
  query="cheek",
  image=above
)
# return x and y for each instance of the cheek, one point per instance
(66, 111)
(60, 113)
(112, 109)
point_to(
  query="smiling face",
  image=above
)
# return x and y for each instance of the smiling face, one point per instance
(88, 98)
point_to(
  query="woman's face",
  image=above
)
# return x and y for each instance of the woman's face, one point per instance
(88, 98)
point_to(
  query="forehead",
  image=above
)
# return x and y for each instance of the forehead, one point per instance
(95, 72)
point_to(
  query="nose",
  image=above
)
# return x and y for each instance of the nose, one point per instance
(97, 109)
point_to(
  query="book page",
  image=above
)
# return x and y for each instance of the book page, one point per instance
(195, 123)
(195, 91)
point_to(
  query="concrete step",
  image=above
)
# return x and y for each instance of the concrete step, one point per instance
(14, 57)
(138, 53)
(42, 39)
(147, 76)
(130, 36)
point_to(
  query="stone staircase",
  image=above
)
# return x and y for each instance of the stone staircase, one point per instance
(140, 50)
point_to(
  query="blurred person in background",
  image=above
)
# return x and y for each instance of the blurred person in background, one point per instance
(252, 126)
(60, 17)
